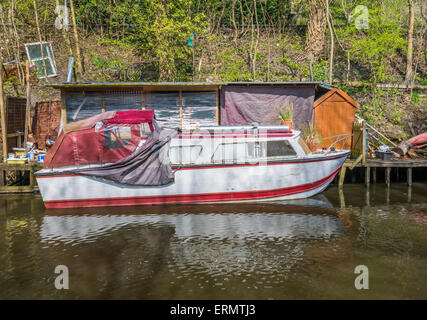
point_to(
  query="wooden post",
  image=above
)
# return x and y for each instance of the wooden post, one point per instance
(28, 105)
(387, 176)
(3, 112)
(342, 199)
(409, 176)
(367, 176)
(102, 104)
(217, 106)
(388, 196)
(32, 179)
(342, 177)
(374, 175)
(368, 197)
(180, 109)
(364, 143)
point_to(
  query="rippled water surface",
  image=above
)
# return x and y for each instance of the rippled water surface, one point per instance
(305, 249)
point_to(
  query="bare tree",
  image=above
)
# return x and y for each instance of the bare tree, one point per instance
(331, 32)
(409, 59)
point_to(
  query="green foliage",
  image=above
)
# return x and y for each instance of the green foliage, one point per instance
(233, 66)
(375, 46)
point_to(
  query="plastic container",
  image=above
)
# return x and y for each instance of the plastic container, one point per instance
(384, 155)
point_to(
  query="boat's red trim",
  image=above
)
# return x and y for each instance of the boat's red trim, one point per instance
(195, 167)
(217, 136)
(191, 198)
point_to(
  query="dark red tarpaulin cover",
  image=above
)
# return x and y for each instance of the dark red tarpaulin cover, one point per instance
(132, 116)
(132, 150)
(82, 143)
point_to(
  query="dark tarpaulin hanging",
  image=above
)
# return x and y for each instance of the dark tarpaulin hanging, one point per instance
(241, 104)
(148, 165)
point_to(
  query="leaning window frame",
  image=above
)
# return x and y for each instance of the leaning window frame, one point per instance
(51, 58)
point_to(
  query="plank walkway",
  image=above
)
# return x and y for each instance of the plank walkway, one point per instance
(388, 165)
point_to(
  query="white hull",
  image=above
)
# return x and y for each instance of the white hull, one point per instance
(284, 180)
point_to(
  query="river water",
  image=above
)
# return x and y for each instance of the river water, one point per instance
(304, 249)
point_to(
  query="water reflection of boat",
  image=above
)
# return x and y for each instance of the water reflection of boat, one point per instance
(305, 218)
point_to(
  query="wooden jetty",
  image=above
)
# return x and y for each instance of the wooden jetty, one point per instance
(371, 167)
(20, 170)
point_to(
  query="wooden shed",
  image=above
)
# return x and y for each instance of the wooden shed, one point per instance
(334, 113)
(226, 103)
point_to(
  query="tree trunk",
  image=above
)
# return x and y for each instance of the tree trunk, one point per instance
(316, 27)
(80, 67)
(40, 39)
(331, 54)
(408, 74)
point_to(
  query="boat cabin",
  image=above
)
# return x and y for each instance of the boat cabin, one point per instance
(237, 145)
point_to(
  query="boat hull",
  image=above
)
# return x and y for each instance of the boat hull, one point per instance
(283, 180)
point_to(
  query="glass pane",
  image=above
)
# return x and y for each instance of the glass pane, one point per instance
(235, 152)
(115, 136)
(40, 65)
(279, 149)
(184, 154)
(34, 52)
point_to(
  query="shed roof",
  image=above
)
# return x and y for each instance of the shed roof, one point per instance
(333, 91)
(157, 85)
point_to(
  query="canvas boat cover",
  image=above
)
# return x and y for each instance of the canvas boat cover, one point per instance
(129, 145)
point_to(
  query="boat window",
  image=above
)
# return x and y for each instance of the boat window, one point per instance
(117, 137)
(280, 148)
(145, 130)
(230, 152)
(184, 154)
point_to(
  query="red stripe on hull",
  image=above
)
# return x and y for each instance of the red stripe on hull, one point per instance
(59, 175)
(192, 198)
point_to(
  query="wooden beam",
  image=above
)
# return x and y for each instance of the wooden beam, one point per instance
(342, 199)
(180, 109)
(387, 176)
(364, 143)
(409, 176)
(367, 176)
(3, 112)
(28, 104)
(342, 177)
(359, 158)
(217, 106)
(15, 135)
(374, 174)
